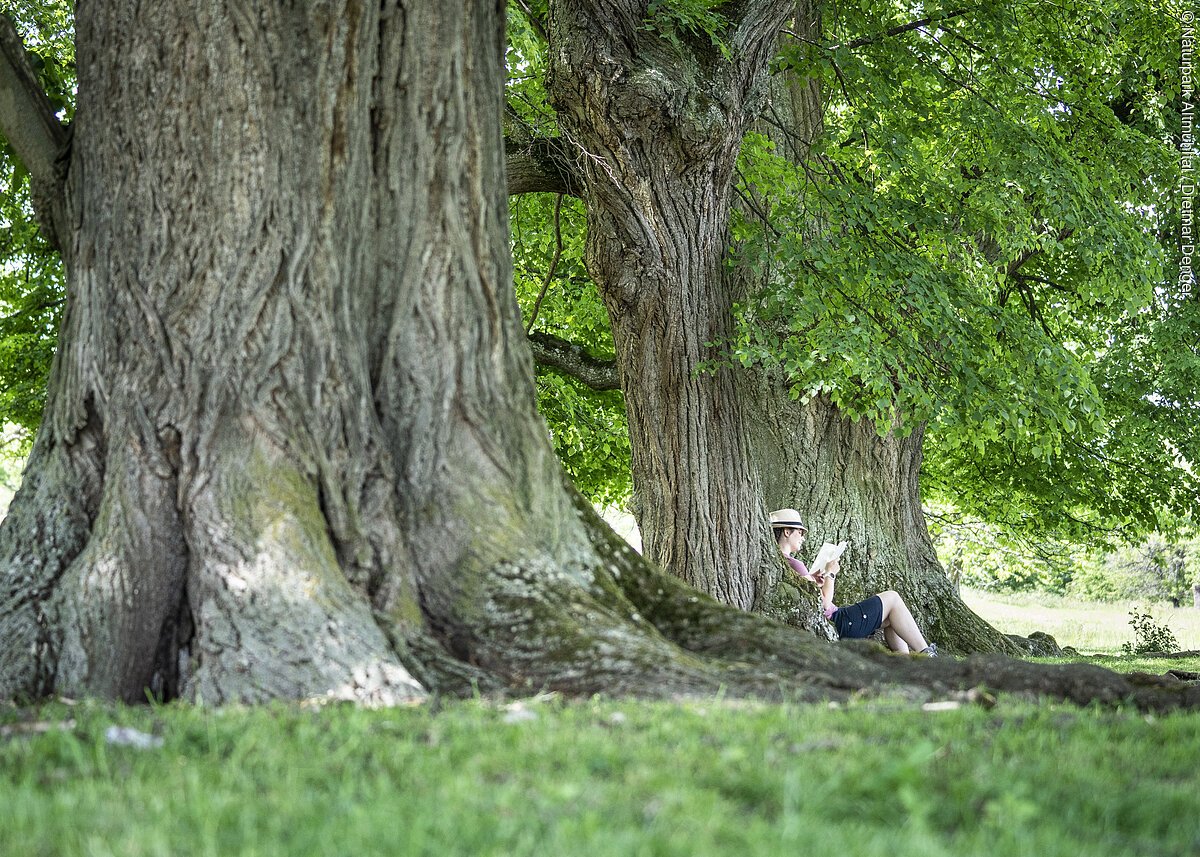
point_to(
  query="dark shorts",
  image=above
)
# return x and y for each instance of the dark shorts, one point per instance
(859, 620)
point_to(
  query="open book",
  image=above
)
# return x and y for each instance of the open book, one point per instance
(827, 554)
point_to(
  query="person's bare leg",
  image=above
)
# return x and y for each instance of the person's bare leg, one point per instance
(894, 641)
(898, 619)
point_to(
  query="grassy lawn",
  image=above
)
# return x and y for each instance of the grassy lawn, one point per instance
(1089, 627)
(601, 777)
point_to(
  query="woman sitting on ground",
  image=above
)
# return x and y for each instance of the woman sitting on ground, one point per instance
(887, 609)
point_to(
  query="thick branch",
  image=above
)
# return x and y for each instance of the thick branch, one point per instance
(572, 359)
(761, 20)
(862, 41)
(540, 166)
(1015, 265)
(28, 122)
(558, 247)
(753, 43)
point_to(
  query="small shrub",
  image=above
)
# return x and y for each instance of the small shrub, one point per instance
(1148, 635)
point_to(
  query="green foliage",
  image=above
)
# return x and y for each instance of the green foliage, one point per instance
(1148, 635)
(985, 556)
(32, 285)
(47, 28)
(677, 20)
(1136, 474)
(980, 240)
(1160, 567)
(600, 778)
(587, 428)
(590, 437)
(1136, 471)
(31, 299)
(1157, 569)
(525, 58)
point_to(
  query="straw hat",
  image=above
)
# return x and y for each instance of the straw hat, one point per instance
(787, 518)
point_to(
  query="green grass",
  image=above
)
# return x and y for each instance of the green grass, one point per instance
(602, 778)
(1088, 626)
(608, 777)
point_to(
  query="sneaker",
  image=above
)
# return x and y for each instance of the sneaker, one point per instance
(930, 650)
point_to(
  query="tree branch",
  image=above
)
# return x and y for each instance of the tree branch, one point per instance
(1045, 282)
(536, 21)
(28, 122)
(558, 247)
(862, 41)
(1014, 265)
(541, 166)
(1028, 253)
(567, 357)
(754, 39)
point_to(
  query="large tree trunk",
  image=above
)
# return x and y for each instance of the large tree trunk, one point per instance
(291, 448)
(658, 129)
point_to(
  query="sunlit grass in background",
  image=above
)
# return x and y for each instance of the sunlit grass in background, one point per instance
(1088, 626)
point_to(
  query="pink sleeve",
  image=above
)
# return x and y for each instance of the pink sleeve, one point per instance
(797, 566)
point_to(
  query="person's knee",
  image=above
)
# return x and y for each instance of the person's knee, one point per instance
(890, 598)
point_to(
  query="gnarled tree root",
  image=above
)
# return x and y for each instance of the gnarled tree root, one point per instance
(632, 630)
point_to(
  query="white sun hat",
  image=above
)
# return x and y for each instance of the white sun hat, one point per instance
(787, 518)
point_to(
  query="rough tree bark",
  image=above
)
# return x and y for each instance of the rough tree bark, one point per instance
(656, 128)
(291, 449)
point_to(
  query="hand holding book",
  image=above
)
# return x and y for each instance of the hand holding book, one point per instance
(829, 553)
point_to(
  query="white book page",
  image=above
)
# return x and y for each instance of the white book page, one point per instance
(827, 554)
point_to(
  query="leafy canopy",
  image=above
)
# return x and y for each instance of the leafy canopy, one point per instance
(981, 238)
(978, 240)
